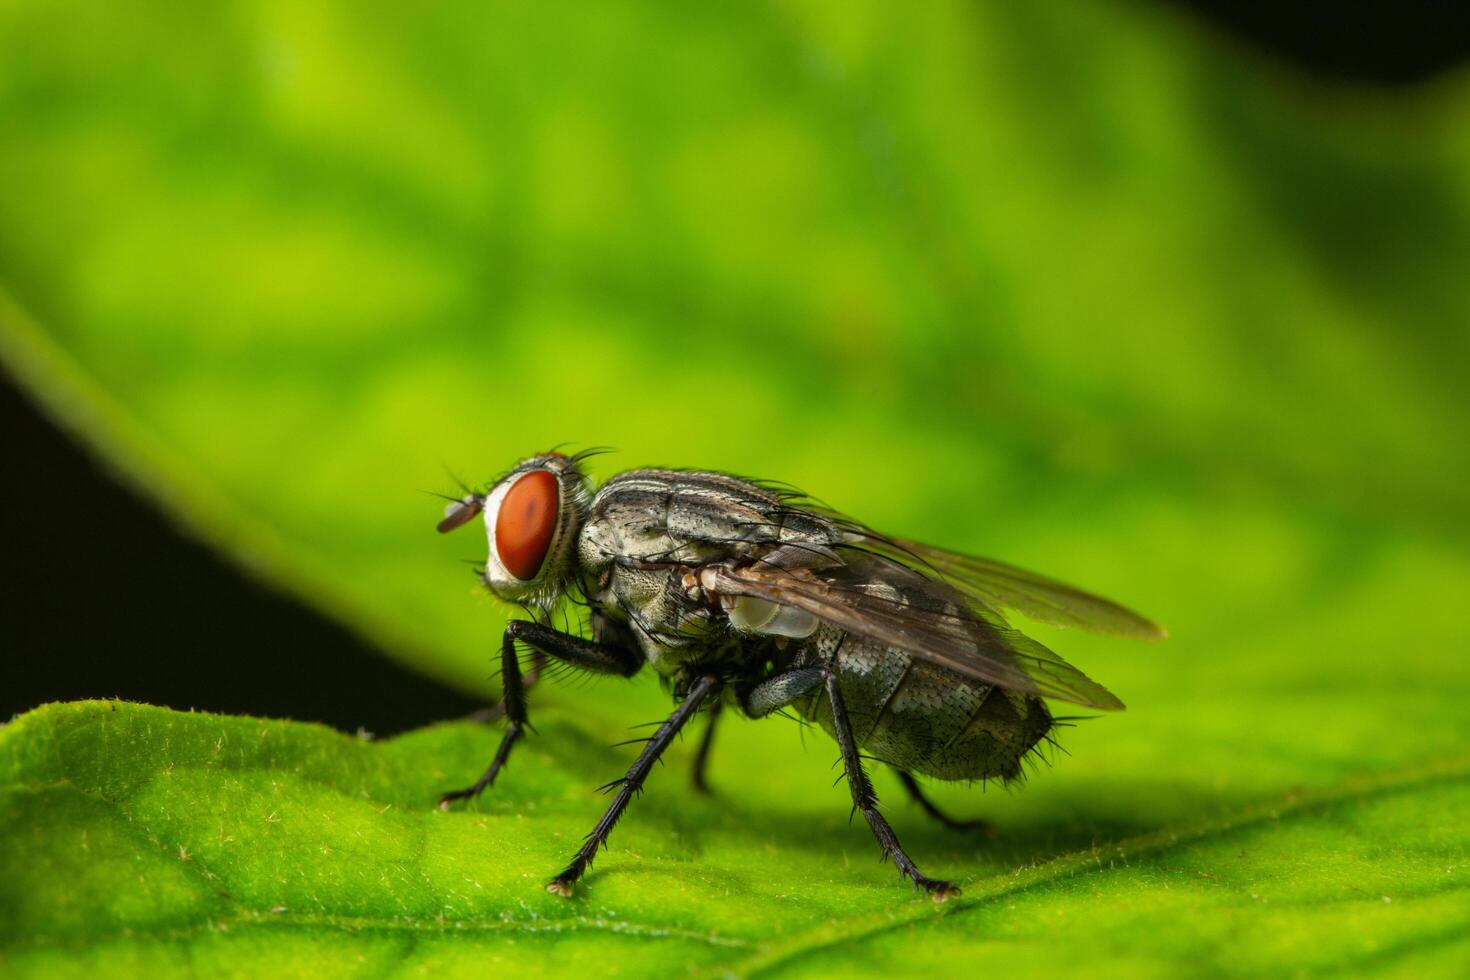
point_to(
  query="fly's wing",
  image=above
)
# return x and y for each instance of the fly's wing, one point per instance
(995, 584)
(877, 598)
(795, 552)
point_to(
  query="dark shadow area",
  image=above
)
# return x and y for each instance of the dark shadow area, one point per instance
(1370, 41)
(100, 596)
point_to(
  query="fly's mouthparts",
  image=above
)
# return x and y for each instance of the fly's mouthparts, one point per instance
(458, 513)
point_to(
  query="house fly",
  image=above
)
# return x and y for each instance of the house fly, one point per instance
(744, 594)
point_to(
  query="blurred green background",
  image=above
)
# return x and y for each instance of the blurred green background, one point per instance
(1081, 286)
(1075, 287)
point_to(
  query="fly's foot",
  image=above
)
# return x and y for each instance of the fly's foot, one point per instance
(448, 799)
(469, 792)
(512, 735)
(942, 891)
(565, 883)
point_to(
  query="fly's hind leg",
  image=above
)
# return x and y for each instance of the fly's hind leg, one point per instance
(866, 801)
(600, 658)
(917, 792)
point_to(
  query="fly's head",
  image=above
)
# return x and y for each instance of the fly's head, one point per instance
(532, 516)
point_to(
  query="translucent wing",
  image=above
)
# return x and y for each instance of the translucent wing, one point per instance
(874, 597)
(996, 584)
(790, 550)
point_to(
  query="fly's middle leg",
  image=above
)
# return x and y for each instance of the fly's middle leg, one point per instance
(766, 697)
(917, 793)
(701, 755)
(598, 658)
(782, 690)
(864, 799)
(631, 784)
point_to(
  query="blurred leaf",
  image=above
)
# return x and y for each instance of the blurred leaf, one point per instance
(146, 841)
(1067, 285)
(1073, 285)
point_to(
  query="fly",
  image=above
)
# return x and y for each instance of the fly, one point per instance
(743, 594)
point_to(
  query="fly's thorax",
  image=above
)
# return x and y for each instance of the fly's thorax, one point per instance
(688, 520)
(671, 631)
(693, 518)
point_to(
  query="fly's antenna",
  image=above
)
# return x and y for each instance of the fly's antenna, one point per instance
(458, 481)
(444, 496)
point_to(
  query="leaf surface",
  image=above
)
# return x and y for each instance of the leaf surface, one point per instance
(144, 840)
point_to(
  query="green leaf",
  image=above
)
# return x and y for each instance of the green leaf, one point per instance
(1074, 285)
(146, 841)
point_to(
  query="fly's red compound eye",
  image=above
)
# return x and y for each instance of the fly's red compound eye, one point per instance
(526, 522)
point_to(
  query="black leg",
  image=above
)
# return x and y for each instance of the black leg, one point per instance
(917, 792)
(596, 657)
(496, 711)
(563, 883)
(701, 755)
(866, 801)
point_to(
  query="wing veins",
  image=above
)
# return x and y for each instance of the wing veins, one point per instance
(985, 651)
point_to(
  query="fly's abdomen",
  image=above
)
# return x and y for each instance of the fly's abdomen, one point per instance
(924, 718)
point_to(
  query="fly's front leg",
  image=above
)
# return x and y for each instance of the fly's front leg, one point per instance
(600, 658)
(630, 784)
(496, 711)
(865, 800)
